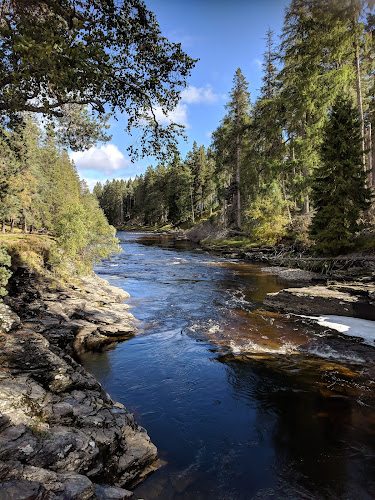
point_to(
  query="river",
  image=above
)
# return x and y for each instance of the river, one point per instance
(270, 425)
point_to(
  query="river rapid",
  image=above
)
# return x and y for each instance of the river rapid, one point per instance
(236, 410)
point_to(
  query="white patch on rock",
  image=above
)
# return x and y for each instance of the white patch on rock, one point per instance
(26, 449)
(353, 327)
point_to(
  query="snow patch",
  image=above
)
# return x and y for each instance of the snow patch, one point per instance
(353, 327)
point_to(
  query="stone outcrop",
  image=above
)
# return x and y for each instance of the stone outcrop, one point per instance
(349, 299)
(61, 435)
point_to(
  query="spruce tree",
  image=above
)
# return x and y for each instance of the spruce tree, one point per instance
(339, 192)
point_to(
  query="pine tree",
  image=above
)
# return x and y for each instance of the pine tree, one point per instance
(339, 191)
(317, 52)
(228, 144)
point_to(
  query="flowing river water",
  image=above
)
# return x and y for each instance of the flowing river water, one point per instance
(272, 424)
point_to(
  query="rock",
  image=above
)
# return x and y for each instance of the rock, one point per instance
(76, 486)
(292, 273)
(87, 316)
(23, 490)
(60, 433)
(111, 493)
(8, 319)
(353, 299)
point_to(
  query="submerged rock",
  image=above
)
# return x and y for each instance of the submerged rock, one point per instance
(60, 434)
(349, 299)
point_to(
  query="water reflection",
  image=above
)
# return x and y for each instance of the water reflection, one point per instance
(320, 450)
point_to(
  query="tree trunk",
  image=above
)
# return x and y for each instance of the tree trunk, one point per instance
(359, 102)
(306, 204)
(192, 206)
(369, 155)
(12, 225)
(238, 167)
(24, 228)
(3, 226)
(286, 199)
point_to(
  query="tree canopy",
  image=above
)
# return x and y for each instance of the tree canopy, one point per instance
(103, 54)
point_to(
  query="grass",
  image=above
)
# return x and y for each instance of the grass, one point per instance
(148, 229)
(33, 250)
(236, 242)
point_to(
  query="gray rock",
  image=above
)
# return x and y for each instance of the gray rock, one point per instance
(342, 300)
(24, 490)
(111, 493)
(76, 486)
(59, 431)
(8, 319)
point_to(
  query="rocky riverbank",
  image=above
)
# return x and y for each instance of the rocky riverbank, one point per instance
(61, 435)
(355, 299)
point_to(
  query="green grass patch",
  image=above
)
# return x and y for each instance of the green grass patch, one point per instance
(147, 229)
(242, 242)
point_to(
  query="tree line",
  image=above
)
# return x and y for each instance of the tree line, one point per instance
(40, 191)
(268, 167)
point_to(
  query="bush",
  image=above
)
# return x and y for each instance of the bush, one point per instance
(267, 217)
(5, 273)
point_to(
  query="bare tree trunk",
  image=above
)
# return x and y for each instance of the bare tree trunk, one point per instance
(3, 226)
(359, 103)
(192, 205)
(24, 228)
(238, 167)
(286, 199)
(369, 155)
(306, 204)
(12, 225)
(122, 211)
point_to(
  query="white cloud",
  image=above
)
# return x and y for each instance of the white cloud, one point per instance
(194, 95)
(190, 95)
(178, 115)
(258, 62)
(106, 159)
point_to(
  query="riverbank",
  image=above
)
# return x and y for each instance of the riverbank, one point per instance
(61, 435)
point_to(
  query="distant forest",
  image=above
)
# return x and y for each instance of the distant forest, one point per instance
(298, 161)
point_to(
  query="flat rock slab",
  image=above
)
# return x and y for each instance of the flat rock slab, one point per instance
(292, 273)
(349, 299)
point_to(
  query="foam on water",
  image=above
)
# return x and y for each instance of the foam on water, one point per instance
(328, 352)
(250, 346)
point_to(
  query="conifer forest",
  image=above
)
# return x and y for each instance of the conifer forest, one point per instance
(268, 172)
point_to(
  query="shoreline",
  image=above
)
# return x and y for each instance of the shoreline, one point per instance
(61, 434)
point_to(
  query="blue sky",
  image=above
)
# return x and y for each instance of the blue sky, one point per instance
(224, 35)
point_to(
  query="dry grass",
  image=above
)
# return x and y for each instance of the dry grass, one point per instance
(33, 250)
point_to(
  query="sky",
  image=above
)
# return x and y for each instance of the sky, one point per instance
(224, 35)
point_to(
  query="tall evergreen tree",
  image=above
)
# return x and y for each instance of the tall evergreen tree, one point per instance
(339, 191)
(229, 143)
